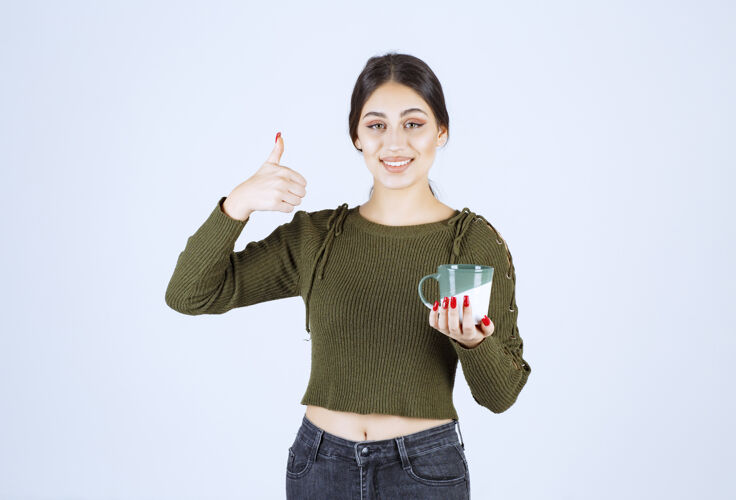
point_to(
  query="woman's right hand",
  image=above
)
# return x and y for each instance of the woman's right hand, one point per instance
(273, 187)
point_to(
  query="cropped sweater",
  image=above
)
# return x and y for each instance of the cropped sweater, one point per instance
(373, 349)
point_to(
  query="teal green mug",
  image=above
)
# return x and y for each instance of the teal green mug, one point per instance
(456, 280)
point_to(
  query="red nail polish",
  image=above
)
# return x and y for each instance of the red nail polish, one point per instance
(466, 301)
(486, 321)
(436, 305)
(453, 302)
(277, 137)
(444, 303)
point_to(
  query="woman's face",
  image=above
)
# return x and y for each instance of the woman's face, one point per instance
(384, 133)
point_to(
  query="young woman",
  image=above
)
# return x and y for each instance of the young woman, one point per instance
(379, 418)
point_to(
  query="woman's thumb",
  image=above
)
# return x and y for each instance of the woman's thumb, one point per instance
(277, 151)
(487, 325)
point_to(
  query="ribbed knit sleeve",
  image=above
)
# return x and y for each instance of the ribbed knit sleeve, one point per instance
(210, 278)
(495, 369)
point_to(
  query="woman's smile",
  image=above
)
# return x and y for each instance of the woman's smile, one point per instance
(396, 167)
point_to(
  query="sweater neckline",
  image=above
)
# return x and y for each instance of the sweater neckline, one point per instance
(364, 224)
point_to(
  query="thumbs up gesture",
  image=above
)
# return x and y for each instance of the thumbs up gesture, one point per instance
(273, 187)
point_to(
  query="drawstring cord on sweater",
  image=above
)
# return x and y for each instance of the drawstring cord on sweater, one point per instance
(462, 222)
(334, 228)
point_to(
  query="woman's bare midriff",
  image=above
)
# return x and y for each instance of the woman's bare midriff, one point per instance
(370, 427)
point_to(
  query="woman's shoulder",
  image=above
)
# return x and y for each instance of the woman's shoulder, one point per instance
(483, 232)
(322, 219)
(485, 240)
(483, 227)
(323, 213)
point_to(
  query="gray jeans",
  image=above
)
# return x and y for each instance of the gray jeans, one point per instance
(429, 464)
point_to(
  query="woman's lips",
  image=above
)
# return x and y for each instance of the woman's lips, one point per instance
(396, 169)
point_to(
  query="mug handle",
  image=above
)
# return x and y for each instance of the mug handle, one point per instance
(435, 276)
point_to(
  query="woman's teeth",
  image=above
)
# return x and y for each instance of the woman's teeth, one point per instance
(396, 163)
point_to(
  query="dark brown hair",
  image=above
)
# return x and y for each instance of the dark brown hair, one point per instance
(404, 69)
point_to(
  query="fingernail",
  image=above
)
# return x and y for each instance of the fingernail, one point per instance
(277, 137)
(453, 302)
(444, 303)
(436, 305)
(466, 301)
(486, 321)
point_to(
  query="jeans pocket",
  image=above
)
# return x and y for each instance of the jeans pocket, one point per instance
(300, 458)
(442, 465)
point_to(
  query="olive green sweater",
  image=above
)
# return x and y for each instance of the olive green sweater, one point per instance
(373, 350)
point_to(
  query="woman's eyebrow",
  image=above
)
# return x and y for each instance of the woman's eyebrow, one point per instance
(383, 115)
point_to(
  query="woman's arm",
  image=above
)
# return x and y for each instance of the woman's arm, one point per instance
(495, 369)
(210, 278)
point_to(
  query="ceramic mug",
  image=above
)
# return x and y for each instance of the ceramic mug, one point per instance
(456, 280)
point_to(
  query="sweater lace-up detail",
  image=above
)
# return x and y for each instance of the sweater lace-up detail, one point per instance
(462, 222)
(334, 228)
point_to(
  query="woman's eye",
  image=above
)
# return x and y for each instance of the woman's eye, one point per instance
(409, 123)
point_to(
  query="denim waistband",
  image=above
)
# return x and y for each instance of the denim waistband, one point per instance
(383, 450)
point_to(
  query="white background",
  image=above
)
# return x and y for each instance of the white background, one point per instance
(598, 137)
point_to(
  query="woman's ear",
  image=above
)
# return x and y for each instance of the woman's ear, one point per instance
(442, 137)
(357, 145)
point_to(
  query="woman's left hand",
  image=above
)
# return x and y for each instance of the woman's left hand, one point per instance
(445, 317)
